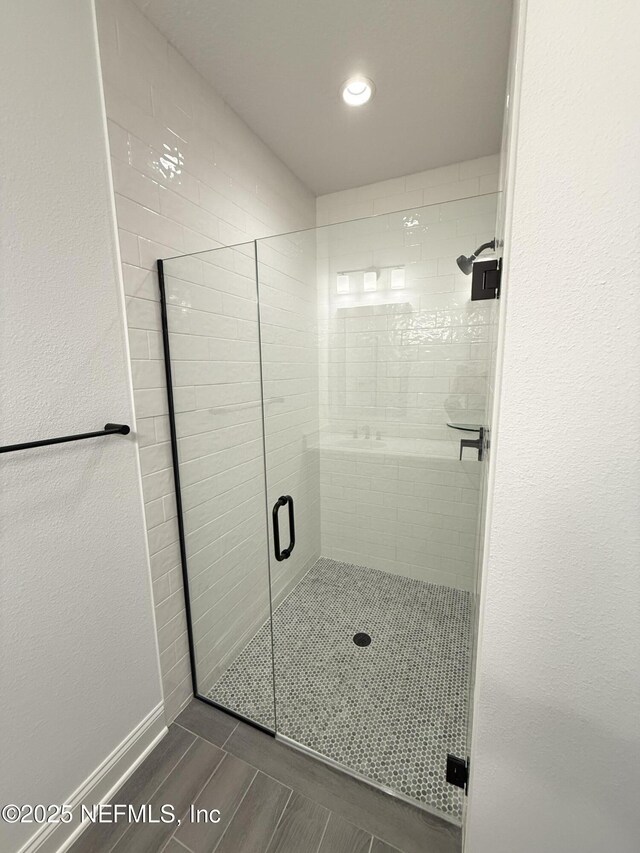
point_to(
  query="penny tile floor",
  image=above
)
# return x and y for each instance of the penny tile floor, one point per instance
(391, 710)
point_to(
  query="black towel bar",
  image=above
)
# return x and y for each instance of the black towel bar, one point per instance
(109, 429)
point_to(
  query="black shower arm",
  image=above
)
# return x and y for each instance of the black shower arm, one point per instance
(490, 245)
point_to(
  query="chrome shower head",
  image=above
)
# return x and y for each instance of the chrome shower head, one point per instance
(466, 263)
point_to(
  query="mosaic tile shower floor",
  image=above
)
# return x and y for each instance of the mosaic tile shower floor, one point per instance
(390, 711)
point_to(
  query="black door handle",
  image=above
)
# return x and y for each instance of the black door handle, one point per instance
(478, 444)
(286, 553)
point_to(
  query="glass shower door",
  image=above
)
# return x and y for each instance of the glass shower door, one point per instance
(370, 347)
(328, 525)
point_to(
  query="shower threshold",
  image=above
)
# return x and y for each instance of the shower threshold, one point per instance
(386, 713)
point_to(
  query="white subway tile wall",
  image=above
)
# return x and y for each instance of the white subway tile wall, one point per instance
(458, 181)
(400, 359)
(189, 175)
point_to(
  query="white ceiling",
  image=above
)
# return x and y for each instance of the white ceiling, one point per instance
(439, 67)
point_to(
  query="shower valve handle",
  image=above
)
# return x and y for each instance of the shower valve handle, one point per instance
(477, 444)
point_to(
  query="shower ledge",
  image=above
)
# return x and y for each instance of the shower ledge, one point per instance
(390, 445)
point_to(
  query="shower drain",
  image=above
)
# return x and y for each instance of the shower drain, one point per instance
(361, 639)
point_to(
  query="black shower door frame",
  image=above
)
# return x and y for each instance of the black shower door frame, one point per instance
(166, 345)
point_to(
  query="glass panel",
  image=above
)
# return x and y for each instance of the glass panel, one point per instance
(212, 318)
(335, 396)
(370, 347)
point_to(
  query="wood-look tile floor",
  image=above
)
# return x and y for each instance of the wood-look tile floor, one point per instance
(272, 799)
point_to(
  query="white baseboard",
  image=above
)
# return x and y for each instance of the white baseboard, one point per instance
(102, 784)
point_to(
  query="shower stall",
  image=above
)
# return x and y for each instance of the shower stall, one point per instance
(320, 383)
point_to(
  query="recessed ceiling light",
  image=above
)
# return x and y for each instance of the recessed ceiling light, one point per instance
(357, 91)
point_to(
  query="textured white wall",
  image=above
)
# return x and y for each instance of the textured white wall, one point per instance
(189, 175)
(556, 747)
(76, 596)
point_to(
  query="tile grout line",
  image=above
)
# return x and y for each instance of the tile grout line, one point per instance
(156, 789)
(232, 732)
(176, 841)
(275, 829)
(194, 745)
(195, 734)
(264, 772)
(240, 801)
(200, 790)
(324, 831)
